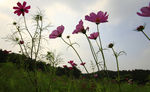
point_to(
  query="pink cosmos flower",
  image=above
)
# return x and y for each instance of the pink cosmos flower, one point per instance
(100, 17)
(94, 35)
(58, 32)
(80, 28)
(21, 9)
(145, 11)
(83, 63)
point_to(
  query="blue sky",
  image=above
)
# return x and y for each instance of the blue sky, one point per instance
(119, 29)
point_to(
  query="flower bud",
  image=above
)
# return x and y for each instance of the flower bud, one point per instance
(14, 23)
(140, 28)
(21, 42)
(110, 45)
(68, 36)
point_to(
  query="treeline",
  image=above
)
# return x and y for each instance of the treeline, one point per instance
(21, 61)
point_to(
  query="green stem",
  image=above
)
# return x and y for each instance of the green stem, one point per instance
(146, 35)
(32, 39)
(22, 40)
(116, 56)
(21, 49)
(39, 40)
(26, 26)
(101, 49)
(93, 52)
(76, 53)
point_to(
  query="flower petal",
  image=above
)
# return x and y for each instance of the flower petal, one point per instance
(16, 8)
(24, 4)
(28, 7)
(19, 4)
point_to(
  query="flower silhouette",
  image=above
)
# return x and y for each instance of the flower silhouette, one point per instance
(80, 28)
(100, 17)
(94, 35)
(58, 32)
(21, 9)
(145, 11)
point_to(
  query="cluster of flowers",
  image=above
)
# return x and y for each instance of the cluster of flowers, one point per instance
(73, 64)
(97, 18)
(100, 17)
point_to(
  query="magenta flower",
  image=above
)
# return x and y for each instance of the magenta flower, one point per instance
(65, 66)
(100, 17)
(73, 64)
(83, 63)
(57, 33)
(21, 42)
(80, 28)
(70, 62)
(70, 68)
(145, 11)
(21, 9)
(94, 35)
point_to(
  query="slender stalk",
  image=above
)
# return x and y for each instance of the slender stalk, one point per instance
(101, 49)
(146, 35)
(116, 56)
(93, 52)
(76, 53)
(21, 49)
(26, 26)
(39, 40)
(32, 39)
(22, 40)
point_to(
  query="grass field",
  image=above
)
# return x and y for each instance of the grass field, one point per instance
(13, 79)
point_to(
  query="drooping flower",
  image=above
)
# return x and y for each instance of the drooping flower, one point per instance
(94, 35)
(21, 9)
(83, 63)
(100, 17)
(57, 33)
(145, 11)
(80, 28)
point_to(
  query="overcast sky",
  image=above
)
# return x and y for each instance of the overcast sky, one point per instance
(122, 22)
